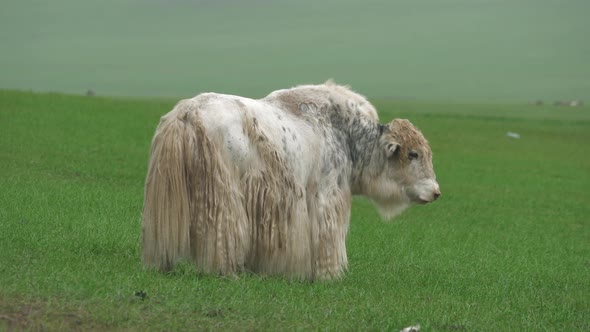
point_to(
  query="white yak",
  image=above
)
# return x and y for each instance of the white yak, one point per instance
(236, 184)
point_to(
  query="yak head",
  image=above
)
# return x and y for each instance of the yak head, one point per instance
(404, 170)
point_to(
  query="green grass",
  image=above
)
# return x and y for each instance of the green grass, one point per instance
(493, 50)
(507, 247)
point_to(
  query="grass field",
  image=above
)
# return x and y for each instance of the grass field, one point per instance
(507, 247)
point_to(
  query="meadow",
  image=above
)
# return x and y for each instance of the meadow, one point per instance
(506, 247)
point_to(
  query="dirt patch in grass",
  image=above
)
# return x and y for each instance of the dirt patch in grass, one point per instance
(36, 314)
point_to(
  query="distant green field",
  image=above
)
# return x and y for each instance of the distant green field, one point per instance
(453, 50)
(507, 247)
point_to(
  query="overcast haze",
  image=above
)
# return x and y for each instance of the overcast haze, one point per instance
(431, 49)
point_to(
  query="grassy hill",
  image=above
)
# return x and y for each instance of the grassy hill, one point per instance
(453, 50)
(505, 248)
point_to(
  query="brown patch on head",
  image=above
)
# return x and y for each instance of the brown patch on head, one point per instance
(409, 137)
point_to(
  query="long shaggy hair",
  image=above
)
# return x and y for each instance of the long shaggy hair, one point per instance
(198, 207)
(191, 209)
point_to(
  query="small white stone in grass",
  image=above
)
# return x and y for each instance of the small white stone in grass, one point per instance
(414, 328)
(513, 135)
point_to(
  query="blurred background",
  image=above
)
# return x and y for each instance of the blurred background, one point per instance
(443, 50)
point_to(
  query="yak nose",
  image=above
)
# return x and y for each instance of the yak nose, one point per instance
(436, 195)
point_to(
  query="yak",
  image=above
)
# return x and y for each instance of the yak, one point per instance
(236, 184)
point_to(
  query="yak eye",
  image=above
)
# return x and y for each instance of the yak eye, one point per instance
(413, 155)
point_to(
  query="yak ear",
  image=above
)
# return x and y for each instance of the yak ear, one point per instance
(392, 149)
